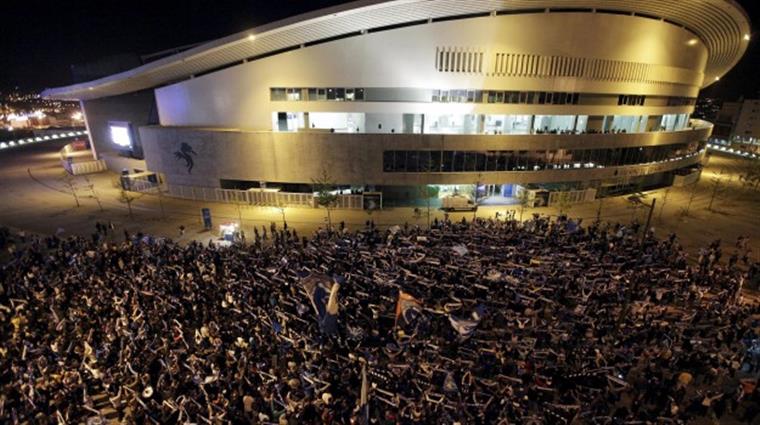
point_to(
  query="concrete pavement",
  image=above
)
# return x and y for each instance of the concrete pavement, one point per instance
(37, 198)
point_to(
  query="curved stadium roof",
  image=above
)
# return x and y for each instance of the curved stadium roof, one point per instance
(722, 25)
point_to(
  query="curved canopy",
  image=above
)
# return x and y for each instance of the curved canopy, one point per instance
(722, 25)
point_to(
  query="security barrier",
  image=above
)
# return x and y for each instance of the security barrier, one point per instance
(259, 197)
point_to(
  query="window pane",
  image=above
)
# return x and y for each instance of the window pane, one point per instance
(424, 161)
(435, 161)
(400, 161)
(412, 161)
(458, 161)
(388, 161)
(448, 161)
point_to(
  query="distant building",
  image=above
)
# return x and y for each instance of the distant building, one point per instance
(747, 127)
(739, 121)
(707, 108)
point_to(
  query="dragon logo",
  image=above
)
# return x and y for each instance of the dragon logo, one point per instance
(184, 153)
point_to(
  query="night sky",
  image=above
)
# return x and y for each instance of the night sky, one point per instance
(40, 40)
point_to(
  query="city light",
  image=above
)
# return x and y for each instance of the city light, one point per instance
(692, 42)
(746, 37)
(76, 116)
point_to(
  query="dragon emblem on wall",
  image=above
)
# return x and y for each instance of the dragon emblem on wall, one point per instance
(186, 153)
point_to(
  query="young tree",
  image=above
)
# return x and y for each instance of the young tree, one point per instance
(718, 187)
(280, 206)
(685, 210)
(564, 201)
(750, 176)
(599, 210)
(70, 182)
(126, 197)
(91, 186)
(426, 191)
(324, 186)
(664, 200)
(523, 198)
(475, 198)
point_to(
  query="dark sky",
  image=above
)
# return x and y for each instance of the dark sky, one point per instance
(40, 40)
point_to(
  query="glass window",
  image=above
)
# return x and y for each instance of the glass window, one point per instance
(458, 161)
(330, 94)
(425, 164)
(321, 94)
(480, 161)
(399, 162)
(350, 95)
(359, 94)
(277, 94)
(412, 161)
(492, 161)
(294, 94)
(470, 161)
(340, 94)
(388, 161)
(312, 94)
(435, 161)
(447, 161)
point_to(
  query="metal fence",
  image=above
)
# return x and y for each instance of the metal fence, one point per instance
(259, 197)
(84, 167)
(572, 197)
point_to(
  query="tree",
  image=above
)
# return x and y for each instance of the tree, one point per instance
(426, 191)
(91, 186)
(718, 186)
(750, 176)
(475, 198)
(280, 206)
(664, 200)
(564, 201)
(523, 198)
(70, 181)
(324, 186)
(636, 200)
(685, 210)
(126, 197)
(599, 211)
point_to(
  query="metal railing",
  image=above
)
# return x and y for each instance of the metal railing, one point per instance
(84, 167)
(259, 197)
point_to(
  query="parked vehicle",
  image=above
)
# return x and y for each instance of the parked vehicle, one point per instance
(458, 203)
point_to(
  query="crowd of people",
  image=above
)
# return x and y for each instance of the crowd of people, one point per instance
(487, 322)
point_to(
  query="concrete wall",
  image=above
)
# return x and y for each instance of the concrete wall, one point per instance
(357, 158)
(653, 58)
(138, 109)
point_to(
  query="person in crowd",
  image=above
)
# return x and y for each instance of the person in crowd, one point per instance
(482, 322)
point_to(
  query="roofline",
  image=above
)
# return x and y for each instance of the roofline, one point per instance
(103, 87)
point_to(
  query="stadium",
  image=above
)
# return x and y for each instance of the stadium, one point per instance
(387, 97)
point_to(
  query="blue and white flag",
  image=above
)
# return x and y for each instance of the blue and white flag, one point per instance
(323, 294)
(466, 327)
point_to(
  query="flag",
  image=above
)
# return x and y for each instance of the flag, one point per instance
(323, 294)
(329, 322)
(408, 309)
(364, 398)
(466, 327)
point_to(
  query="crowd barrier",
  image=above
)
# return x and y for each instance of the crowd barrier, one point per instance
(259, 197)
(84, 167)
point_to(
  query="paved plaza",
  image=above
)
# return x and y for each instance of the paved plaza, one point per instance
(36, 198)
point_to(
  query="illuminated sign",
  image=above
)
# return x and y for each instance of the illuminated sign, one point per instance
(120, 134)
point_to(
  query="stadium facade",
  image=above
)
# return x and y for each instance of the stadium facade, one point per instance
(389, 96)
